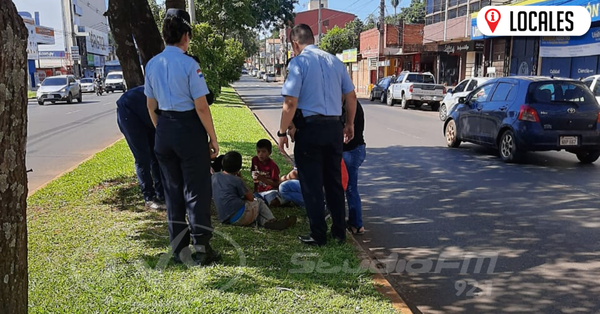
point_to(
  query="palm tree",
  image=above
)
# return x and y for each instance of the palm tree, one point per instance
(395, 5)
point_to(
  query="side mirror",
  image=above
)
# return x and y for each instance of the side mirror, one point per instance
(462, 100)
(39, 85)
(449, 91)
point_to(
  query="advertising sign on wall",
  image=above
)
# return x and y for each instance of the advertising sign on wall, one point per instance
(350, 55)
(96, 42)
(567, 46)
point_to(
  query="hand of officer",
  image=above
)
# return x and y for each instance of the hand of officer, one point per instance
(292, 132)
(213, 148)
(348, 133)
(283, 144)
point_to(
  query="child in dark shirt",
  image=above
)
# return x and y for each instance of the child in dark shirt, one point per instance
(236, 204)
(265, 174)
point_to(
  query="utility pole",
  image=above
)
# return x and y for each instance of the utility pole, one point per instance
(321, 22)
(192, 11)
(381, 34)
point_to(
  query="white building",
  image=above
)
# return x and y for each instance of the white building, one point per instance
(314, 4)
(81, 33)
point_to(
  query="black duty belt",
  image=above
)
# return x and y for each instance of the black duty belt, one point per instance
(321, 118)
(178, 114)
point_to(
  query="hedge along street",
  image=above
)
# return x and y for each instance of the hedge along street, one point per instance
(92, 247)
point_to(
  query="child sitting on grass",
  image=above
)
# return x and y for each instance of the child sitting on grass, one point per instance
(265, 174)
(234, 201)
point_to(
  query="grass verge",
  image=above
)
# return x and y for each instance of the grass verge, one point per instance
(94, 249)
(30, 94)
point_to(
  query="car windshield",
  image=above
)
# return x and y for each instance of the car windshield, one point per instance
(560, 92)
(114, 77)
(420, 78)
(55, 81)
(87, 80)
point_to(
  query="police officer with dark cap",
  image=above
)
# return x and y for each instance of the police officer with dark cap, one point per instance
(316, 84)
(185, 140)
(135, 124)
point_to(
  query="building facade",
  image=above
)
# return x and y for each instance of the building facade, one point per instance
(329, 19)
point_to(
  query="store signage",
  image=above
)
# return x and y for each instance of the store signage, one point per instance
(460, 47)
(96, 42)
(571, 46)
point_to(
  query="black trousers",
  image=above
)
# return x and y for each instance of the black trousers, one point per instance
(182, 152)
(318, 153)
(141, 139)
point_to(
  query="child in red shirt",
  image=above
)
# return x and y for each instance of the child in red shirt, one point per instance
(265, 173)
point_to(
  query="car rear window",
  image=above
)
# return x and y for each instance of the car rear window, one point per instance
(114, 77)
(420, 78)
(55, 81)
(87, 80)
(560, 92)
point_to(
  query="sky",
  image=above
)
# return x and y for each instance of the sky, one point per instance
(50, 16)
(360, 8)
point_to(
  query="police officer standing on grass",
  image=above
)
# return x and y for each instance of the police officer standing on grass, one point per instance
(316, 84)
(185, 140)
(135, 124)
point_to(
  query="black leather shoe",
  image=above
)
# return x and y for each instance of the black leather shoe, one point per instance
(308, 240)
(338, 240)
(205, 259)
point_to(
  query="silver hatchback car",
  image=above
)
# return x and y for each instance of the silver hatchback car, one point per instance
(59, 88)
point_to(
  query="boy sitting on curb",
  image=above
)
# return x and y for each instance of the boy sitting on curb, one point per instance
(236, 204)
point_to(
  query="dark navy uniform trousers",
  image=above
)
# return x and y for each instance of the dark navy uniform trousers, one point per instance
(318, 154)
(182, 152)
(140, 138)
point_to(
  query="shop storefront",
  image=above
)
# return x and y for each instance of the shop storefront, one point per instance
(524, 55)
(574, 57)
(458, 61)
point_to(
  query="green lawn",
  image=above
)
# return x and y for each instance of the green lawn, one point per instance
(30, 94)
(94, 249)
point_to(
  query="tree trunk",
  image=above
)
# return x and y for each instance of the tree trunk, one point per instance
(13, 177)
(145, 31)
(119, 19)
(175, 4)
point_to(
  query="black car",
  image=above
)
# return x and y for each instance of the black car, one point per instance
(380, 89)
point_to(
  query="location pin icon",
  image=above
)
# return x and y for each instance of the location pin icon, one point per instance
(492, 17)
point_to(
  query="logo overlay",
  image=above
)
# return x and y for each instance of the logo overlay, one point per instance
(534, 20)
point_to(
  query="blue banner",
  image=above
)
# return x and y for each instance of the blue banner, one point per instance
(567, 46)
(559, 67)
(582, 67)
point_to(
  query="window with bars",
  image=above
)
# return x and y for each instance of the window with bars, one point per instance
(452, 13)
(474, 7)
(452, 3)
(462, 10)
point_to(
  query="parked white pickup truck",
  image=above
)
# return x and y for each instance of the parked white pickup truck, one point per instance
(414, 88)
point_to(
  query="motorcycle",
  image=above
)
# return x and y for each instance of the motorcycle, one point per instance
(99, 89)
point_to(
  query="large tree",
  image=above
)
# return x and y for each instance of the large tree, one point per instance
(336, 40)
(13, 177)
(136, 36)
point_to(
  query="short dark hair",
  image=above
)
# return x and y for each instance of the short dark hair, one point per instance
(173, 30)
(232, 162)
(303, 34)
(264, 143)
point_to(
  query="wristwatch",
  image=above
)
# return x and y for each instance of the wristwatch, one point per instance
(281, 134)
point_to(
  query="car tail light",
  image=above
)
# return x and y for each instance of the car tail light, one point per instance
(528, 114)
(598, 120)
(410, 89)
(444, 91)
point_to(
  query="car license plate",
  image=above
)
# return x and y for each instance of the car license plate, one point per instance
(569, 140)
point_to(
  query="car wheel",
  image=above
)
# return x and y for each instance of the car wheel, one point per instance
(70, 99)
(509, 152)
(382, 98)
(372, 97)
(452, 139)
(390, 100)
(443, 114)
(40, 102)
(435, 106)
(588, 157)
(404, 103)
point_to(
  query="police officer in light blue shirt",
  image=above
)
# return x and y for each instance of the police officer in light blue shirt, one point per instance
(315, 86)
(185, 140)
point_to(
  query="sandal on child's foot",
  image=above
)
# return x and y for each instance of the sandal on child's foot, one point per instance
(356, 231)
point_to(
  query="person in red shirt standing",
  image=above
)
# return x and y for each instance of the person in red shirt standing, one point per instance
(265, 173)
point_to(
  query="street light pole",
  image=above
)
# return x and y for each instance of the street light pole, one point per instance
(320, 22)
(192, 11)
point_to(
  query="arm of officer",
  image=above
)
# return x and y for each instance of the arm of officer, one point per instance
(350, 97)
(152, 106)
(203, 111)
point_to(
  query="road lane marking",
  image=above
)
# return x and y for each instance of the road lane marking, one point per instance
(404, 133)
(70, 112)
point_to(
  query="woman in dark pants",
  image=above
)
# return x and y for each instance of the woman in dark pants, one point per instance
(354, 155)
(185, 140)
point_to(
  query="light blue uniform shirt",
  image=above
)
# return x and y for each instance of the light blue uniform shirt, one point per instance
(318, 79)
(174, 80)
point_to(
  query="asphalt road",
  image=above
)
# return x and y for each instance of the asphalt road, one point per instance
(60, 136)
(433, 213)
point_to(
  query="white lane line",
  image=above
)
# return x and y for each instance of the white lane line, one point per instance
(404, 133)
(70, 112)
